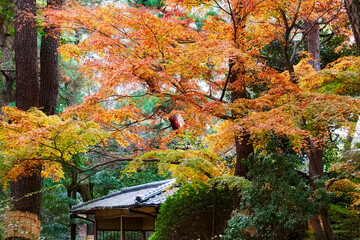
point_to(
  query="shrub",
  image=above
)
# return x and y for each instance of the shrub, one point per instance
(196, 211)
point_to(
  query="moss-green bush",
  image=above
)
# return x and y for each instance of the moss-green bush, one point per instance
(188, 214)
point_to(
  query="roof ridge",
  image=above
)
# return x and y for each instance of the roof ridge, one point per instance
(156, 191)
(123, 190)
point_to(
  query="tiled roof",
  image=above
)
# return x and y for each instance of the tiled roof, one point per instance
(150, 194)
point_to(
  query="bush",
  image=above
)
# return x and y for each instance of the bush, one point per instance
(188, 214)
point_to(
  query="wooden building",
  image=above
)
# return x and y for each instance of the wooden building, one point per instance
(128, 214)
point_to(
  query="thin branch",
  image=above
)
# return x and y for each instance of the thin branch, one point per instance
(332, 181)
(328, 37)
(218, 5)
(226, 82)
(214, 98)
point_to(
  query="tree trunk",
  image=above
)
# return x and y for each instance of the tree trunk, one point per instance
(243, 146)
(214, 209)
(49, 66)
(353, 11)
(174, 122)
(237, 88)
(316, 170)
(86, 192)
(27, 85)
(25, 192)
(7, 93)
(316, 167)
(288, 64)
(318, 232)
(72, 192)
(6, 70)
(242, 141)
(243, 150)
(315, 154)
(313, 43)
(326, 223)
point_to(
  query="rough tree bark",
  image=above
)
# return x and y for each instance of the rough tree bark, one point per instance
(27, 82)
(25, 192)
(7, 93)
(243, 150)
(353, 11)
(49, 66)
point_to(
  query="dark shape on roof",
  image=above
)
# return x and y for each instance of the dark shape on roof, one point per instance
(145, 195)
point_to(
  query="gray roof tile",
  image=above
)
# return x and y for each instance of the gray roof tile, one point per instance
(150, 194)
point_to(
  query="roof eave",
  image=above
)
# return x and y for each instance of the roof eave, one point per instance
(93, 210)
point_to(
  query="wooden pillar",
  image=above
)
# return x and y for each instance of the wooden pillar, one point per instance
(122, 228)
(143, 235)
(95, 229)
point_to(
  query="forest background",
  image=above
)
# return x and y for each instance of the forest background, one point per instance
(257, 99)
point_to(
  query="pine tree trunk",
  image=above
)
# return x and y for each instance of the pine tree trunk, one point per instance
(25, 192)
(49, 76)
(27, 82)
(353, 11)
(49, 66)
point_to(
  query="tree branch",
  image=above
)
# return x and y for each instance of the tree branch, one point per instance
(226, 82)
